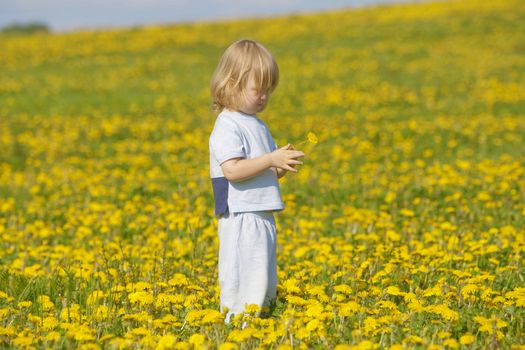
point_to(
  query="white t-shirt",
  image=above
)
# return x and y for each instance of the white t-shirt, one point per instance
(239, 135)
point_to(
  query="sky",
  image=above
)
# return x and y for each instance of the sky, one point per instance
(67, 15)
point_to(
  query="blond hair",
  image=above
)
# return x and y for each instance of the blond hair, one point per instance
(241, 60)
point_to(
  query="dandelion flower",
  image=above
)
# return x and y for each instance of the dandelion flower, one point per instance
(312, 138)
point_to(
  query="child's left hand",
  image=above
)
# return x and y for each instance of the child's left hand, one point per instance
(292, 148)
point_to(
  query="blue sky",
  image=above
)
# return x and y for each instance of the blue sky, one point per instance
(65, 15)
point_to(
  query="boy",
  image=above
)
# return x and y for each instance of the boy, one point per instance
(245, 165)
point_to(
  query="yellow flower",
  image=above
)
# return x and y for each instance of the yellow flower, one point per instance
(140, 331)
(343, 288)
(410, 297)
(24, 304)
(8, 331)
(491, 325)
(295, 300)
(342, 347)
(141, 298)
(407, 212)
(370, 324)
(182, 345)
(101, 313)
(413, 339)
(166, 342)
(95, 296)
(178, 280)
(386, 304)
(467, 339)
(196, 339)
(444, 311)
(252, 308)
(312, 325)
(451, 343)
(309, 138)
(81, 333)
(393, 290)
(165, 321)
(312, 138)
(228, 346)
(23, 341)
(469, 289)
(396, 347)
(349, 309)
(520, 302)
(49, 323)
(284, 347)
(365, 345)
(212, 316)
(52, 336)
(393, 235)
(194, 317)
(290, 286)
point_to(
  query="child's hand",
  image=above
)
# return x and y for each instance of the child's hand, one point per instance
(290, 147)
(286, 158)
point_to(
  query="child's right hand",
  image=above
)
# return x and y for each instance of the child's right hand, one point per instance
(286, 158)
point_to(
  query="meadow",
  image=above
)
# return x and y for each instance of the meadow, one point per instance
(404, 228)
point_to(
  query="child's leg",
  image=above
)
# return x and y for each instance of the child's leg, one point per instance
(256, 246)
(228, 266)
(271, 291)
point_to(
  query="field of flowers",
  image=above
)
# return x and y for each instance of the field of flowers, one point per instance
(405, 227)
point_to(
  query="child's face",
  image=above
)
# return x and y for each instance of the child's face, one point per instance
(253, 100)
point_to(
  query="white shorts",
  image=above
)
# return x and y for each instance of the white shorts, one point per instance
(247, 261)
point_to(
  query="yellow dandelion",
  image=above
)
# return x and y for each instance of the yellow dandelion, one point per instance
(25, 304)
(312, 138)
(228, 346)
(196, 339)
(343, 288)
(393, 290)
(467, 339)
(212, 316)
(23, 340)
(252, 308)
(342, 347)
(166, 342)
(451, 343)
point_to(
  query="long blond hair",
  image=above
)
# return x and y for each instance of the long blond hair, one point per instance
(241, 60)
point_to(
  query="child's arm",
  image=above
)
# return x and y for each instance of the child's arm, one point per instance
(239, 169)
